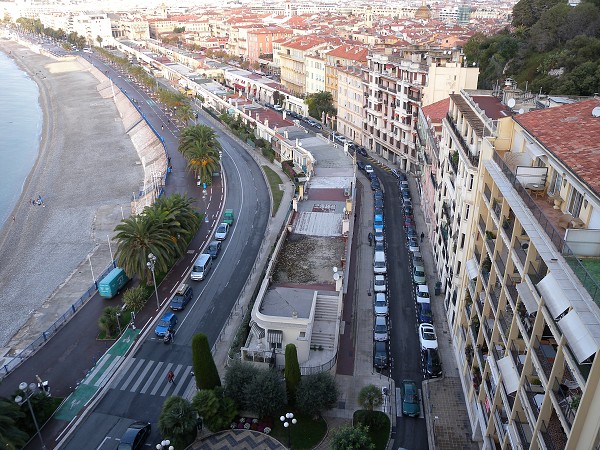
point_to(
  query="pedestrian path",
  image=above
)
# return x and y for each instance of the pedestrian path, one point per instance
(96, 377)
(144, 376)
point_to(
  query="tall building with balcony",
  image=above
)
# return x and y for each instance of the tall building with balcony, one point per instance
(350, 103)
(340, 58)
(524, 313)
(292, 60)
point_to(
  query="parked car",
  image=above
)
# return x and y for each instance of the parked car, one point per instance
(411, 232)
(413, 245)
(378, 195)
(213, 249)
(168, 322)
(427, 336)
(375, 185)
(378, 236)
(432, 363)
(369, 168)
(379, 247)
(317, 125)
(424, 313)
(417, 259)
(411, 404)
(362, 151)
(269, 105)
(419, 275)
(380, 354)
(379, 283)
(182, 297)
(378, 223)
(372, 176)
(404, 185)
(360, 165)
(222, 231)
(406, 202)
(396, 173)
(407, 211)
(278, 108)
(380, 330)
(422, 293)
(406, 195)
(402, 177)
(380, 305)
(135, 436)
(409, 222)
(378, 211)
(379, 202)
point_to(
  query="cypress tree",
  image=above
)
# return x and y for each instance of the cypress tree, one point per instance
(205, 370)
(291, 373)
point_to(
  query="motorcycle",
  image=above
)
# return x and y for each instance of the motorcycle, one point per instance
(168, 338)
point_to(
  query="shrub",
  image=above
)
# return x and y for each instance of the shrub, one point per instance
(239, 375)
(266, 393)
(291, 372)
(108, 321)
(205, 371)
(349, 437)
(370, 397)
(317, 393)
(135, 298)
(216, 409)
(178, 421)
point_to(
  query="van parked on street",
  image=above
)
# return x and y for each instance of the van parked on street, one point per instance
(111, 284)
(201, 267)
(379, 266)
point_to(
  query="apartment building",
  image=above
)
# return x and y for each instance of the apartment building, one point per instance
(339, 58)
(350, 105)
(129, 27)
(260, 41)
(88, 25)
(523, 308)
(315, 74)
(292, 60)
(397, 86)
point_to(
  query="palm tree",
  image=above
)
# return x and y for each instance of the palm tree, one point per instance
(202, 162)
(137, 237)
(200, 147)
(185, 113)
(99, 39)
(180, 207)
(178, 421)
(11, 437)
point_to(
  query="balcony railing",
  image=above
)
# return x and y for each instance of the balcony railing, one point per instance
(494, 297)
(543, 358)
(512, 293)
(565, 401)
(487, 193)
(477, 255)
(517, 357)
(500, 424)
(533, 399)
(482, 226)
(473, 159)
(520, 251)
(589, 282)
(497, 208)
(525, 436)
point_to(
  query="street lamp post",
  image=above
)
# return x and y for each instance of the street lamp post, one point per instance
(151, 264)
(289, 420)
(165, 445)
(28, 391)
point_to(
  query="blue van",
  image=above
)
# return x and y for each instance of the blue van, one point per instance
(112, 283)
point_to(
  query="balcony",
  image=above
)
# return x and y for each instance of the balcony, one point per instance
(534, 398)
(567, 402)
(487, 193)
(553, 434)
(477, 255)
(525, 320)
(508, 225)
(512, 293)
(524, 432)
(482, 226)
(501, 425)
(497, 208)
(505, 320)
(520, 248)
(518, 357)
(549, 219)
(546, 354)
(473, 159)
(501, 259)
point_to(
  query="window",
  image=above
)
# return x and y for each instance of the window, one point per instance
(467, 211)
(575, 203)
(458, 267)
(462, 241)
(555, 183)
(471, 178)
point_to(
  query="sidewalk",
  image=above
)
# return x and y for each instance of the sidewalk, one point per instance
(446, 415)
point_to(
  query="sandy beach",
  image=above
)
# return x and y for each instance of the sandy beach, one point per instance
(86, 170)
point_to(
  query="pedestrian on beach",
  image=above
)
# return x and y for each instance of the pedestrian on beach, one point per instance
(33, 201)
(171, 377)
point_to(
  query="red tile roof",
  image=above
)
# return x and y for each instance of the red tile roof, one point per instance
(437, 111)
(570, 133)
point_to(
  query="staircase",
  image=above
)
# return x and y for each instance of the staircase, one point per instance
(325, 325)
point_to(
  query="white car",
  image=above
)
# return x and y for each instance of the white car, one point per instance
(379, 236)
(427, 336)
(379, 284)
(422, 293)
(368, 168)
(413, 245)
(222, 230)
(380, 305)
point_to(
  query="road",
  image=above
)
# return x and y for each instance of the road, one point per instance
(405, 350)
(140, 388)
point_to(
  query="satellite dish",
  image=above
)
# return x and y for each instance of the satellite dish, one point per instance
(521, 111)
(596, 111)
(337, 276)
(511, 103)
(335, 269)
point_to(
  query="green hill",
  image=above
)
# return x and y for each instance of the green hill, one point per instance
(551, 46)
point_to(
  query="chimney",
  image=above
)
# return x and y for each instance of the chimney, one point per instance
(285, 133)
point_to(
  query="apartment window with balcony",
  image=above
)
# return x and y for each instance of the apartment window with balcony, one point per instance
(555, 183)
(462, 240)
(467, 211)
(575, 203)
(471, 180)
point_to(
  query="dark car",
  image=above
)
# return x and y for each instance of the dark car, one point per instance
(380, 354)
(213, 249)
(375, 185)
(182, 297)
(378, 210)
(411, 232)
(432, 362)
(408, 211)
(408, 222)
(402, 177)
(135, 436)
(378, 194)
(425, 315)
(379, 247)
(362, 151)
(317, 125)
(406, 195)
(166, 323)
(378, 203)
(373, 177)
(411, 404)
(360, 165)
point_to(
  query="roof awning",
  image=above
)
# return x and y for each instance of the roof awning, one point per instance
(578, 336)
(472, 268)
(239, 86)
(509, 373)
(553, 295)
(274, 336)
(531, 304)
(257, 331)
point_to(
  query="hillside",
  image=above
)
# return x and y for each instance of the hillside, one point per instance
(553, 47)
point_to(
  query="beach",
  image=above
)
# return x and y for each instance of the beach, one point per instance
(86, 171)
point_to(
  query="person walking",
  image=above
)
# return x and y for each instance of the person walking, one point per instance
(171, 377)
(422, 236)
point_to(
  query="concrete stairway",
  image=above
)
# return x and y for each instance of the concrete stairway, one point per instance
(326, 317)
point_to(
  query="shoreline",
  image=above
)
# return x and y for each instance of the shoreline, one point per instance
(81, 133)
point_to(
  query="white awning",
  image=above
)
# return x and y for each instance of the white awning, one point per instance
(275, 336)
(553, 295)
(531, 304)
(472, 268)
(578, 336)
(509, 373)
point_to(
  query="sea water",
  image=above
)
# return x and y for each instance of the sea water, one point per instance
(21, 122)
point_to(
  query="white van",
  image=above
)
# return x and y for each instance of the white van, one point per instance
(379, 263)
(201, 267)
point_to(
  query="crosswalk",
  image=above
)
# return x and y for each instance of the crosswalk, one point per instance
(145, 376)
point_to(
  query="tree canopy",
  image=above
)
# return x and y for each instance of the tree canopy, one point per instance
(554, 47)
(319, 103)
